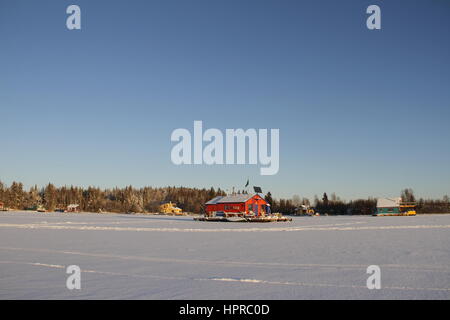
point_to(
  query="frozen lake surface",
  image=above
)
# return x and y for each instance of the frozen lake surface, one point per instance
(164, 257)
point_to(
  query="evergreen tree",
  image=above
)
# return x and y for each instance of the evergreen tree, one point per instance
(268, 198)
(325, 199)
(50, 197)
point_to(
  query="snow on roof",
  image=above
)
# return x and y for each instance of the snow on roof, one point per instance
(235, 198)
(214, 200)
(388, 202)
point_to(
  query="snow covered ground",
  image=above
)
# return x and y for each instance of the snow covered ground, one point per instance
(164, 257)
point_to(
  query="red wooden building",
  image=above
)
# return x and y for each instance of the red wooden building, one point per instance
(238, 204)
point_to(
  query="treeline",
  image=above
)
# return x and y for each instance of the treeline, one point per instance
(333, 205)
(92, 199)
(148, 199)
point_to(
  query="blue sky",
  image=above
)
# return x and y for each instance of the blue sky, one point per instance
(361, 113)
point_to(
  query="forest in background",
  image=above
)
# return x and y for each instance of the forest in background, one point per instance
(148, 200)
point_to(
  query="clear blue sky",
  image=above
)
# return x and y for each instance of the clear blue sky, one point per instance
(361, 113)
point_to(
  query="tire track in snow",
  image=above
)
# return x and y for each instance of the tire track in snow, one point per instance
(68, 223)
(58, 266)
(231, 280)
(275, 229)
(231, 263)
(305, 284)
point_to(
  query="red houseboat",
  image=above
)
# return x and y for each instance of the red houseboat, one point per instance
(237, 205)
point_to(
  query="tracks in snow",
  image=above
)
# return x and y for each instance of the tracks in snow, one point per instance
(230, 280)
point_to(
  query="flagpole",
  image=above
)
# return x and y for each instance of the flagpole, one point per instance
(247, 184)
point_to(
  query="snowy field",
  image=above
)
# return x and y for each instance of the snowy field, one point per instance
(164, 257)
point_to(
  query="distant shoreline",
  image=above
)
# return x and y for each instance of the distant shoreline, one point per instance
(191, 214)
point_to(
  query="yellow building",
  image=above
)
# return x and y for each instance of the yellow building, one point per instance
(170, 208)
